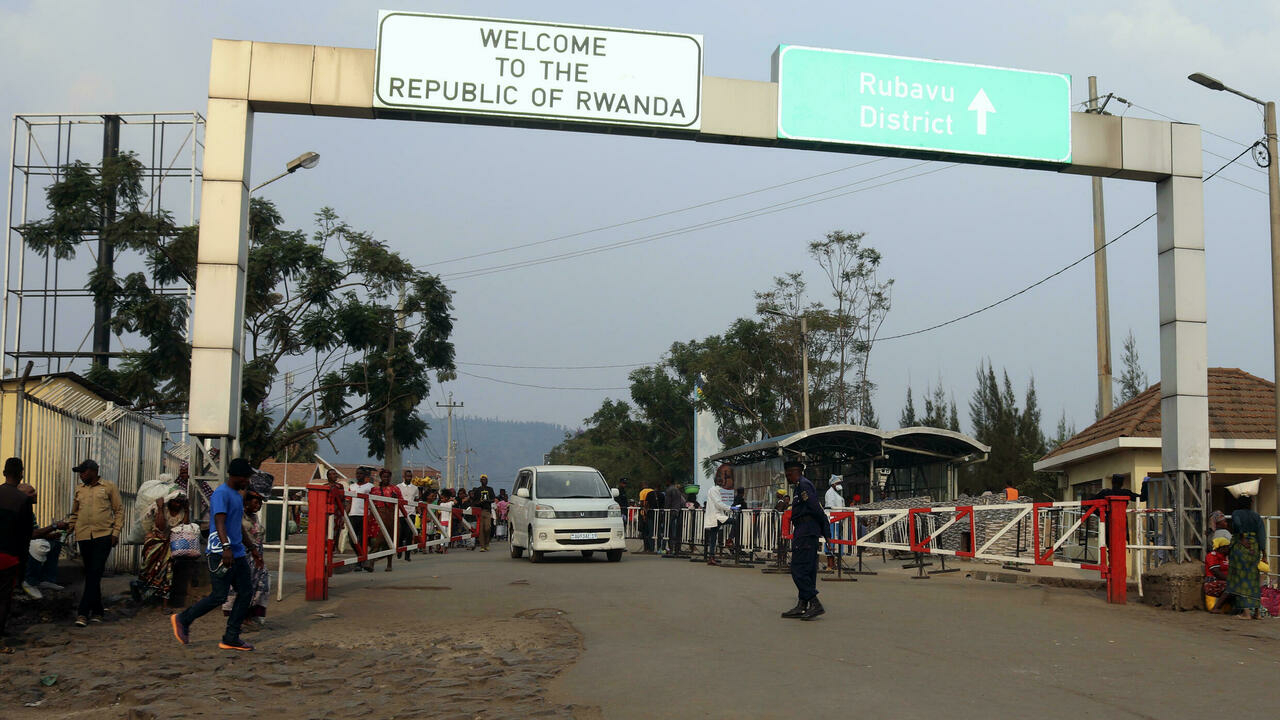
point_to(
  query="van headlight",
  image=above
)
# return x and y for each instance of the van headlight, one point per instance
(615, 510)
(545, 512)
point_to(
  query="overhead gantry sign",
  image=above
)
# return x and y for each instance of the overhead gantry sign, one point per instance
(570, 77)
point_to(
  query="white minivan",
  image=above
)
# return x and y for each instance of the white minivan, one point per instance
(564, 508)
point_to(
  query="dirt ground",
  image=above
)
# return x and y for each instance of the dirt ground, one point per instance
(480, 635)
(372, 653)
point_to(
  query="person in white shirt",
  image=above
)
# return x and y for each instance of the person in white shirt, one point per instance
(714, 516)
(409, 492)
(834, 499)
(364, 486)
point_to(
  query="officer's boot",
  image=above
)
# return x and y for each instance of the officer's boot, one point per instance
(798, 611)
(814, 610)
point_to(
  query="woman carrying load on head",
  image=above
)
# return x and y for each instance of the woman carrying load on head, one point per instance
(1244, 582)
(156, 578)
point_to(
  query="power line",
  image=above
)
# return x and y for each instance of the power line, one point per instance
(1052, 275)
(539, 387)
(634, 221)
(556, 367)
(748, 215)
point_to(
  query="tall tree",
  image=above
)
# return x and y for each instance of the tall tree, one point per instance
(1133, 379)
(324, 301)
(860, 303)
(908, 416)
(1013, 433)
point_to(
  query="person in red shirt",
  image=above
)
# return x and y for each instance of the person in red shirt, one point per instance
(389, 512)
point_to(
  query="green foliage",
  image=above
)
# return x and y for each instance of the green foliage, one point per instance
(908, 416)
(1014, 434)
(1133, 379)
(372, 326)
(752, 373)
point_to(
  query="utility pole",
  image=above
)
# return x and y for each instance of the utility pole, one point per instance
(106, 251)
(391, 444)
(449, 447)
(804, 365)
(466, 473)
(1100, 286)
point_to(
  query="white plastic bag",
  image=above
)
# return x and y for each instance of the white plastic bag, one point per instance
(39, 550)
(144, 504)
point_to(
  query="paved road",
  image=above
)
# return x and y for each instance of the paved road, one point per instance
(669, 638)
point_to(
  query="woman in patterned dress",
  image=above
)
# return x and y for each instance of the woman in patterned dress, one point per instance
(155, 579)
(1244, 581)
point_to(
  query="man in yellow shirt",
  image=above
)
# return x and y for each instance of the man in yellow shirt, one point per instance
(96, 518)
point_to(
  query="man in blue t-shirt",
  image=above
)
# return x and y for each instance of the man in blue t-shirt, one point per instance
(228, 565)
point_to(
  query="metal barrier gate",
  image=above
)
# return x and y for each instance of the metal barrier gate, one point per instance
(327, 514)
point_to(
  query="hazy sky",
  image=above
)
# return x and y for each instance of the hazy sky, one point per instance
(953, 240)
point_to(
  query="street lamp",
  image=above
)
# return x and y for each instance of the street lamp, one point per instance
(804, 354)
(1273, 187)
(306, 161)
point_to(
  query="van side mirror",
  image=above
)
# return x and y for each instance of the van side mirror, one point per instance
(614, 492)
(523, 492)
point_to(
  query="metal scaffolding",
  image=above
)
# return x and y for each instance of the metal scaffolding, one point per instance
(47, 312)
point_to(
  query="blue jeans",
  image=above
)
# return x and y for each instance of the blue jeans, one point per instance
(47, 571)
(238, 577)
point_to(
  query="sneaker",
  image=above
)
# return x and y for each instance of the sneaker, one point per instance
(81, 621)
(237, 645)
(95, 619)
(31, 590)
(51, 586)
(180, 631)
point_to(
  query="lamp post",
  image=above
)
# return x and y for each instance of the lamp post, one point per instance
(1273, 187)
(305, 161)
(804, 355)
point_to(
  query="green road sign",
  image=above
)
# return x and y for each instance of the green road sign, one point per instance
(929, 105)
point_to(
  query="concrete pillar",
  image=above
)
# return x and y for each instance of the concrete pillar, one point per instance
(1184, 354)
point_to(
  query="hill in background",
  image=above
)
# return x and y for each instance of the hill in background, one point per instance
(501, 447)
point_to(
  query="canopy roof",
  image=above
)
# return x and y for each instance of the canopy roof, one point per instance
(853, 443)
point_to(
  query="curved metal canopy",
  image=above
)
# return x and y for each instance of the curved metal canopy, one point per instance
(854, 443)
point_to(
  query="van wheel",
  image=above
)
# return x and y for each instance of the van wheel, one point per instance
(517, 551)
(614, 555)
(535, 556)
(588, 553)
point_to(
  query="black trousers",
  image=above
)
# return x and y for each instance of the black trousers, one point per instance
(710, 536)
(804, 566)
(646, 532)
(673, 533)
(94, 553)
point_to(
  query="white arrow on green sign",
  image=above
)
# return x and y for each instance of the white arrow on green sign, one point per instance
(929, 105)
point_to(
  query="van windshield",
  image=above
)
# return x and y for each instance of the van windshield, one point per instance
(570, 484)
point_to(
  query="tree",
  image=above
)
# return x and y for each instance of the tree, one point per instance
(326, 301)
(1014, 435)
(908, 416)
(1065, 432)
(1133, 379)
(861, 302)
(302, 450)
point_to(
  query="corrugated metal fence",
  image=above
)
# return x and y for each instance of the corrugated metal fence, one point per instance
(63, 427)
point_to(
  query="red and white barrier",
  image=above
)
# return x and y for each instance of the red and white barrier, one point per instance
(1052, 525)
(328, 515)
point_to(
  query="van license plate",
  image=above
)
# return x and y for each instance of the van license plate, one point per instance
(582, 536)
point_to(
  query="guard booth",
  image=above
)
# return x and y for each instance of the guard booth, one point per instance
(876, 464)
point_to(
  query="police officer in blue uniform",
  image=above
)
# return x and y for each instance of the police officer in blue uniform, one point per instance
(808, 523)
